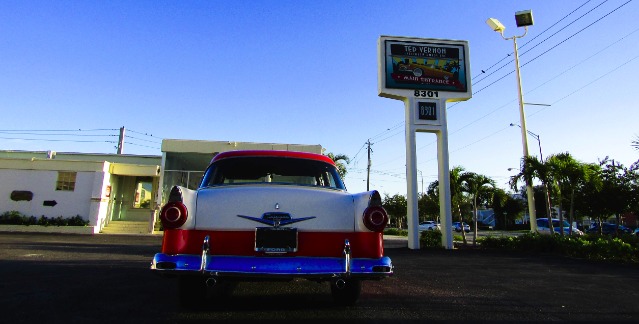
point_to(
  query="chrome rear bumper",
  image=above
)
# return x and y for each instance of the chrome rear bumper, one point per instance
(272, 267)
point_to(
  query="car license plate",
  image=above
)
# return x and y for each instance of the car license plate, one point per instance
(275, 239)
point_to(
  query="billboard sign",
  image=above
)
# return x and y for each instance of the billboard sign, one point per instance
(423, 68)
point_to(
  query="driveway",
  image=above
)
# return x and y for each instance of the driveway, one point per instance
(57, 278)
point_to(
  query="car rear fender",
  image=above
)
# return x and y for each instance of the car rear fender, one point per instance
(362, 201)
(189, 198)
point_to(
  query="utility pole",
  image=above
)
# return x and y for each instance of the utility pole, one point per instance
(121, 141)
(368, 169)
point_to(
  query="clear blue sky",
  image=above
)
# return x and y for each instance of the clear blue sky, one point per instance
(305, 72)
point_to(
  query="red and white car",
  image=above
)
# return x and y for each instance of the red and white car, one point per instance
(271, 215)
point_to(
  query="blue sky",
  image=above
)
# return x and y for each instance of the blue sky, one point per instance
(305, 72)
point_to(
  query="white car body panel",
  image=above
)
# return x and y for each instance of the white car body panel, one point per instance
(218, 207)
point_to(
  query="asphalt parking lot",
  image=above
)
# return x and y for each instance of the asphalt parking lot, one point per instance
(55, 278)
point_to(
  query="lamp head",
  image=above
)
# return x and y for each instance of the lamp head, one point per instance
(495, 25)
(524, 18)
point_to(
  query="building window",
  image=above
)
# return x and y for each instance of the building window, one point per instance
(66, 181)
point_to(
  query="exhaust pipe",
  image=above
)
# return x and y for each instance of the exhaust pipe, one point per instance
(210, 282)
(340, 283)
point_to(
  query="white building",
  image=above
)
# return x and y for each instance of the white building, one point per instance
(115, 193)
(97, 187)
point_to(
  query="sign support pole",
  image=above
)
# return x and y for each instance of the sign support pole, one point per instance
(411, 177)
(445, 210)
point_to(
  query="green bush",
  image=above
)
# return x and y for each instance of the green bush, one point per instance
(593, 247)
(431, 239)
(16, 218)
(395, 231)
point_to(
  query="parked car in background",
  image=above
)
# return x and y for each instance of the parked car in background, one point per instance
(271, 215)
(608, 229)
(429, 226)
(457, 227)
(637, 231)
(543, 227)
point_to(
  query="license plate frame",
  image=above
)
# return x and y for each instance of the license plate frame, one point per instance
(275, 239)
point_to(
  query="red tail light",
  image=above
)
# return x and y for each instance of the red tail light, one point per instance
(173, 214)
(375, 218)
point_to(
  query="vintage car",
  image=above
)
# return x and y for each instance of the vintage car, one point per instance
(271, 215)
(419, 70)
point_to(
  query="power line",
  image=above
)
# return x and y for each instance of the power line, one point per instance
(531, 40)
(55, 140)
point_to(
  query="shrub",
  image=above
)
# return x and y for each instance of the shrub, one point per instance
(431, 239)
(592, 247)
(16, 218)
(395, 231)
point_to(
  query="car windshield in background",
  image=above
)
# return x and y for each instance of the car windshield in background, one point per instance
(272, 170)
(555, 223)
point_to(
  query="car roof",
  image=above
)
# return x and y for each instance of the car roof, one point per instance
(273, 153)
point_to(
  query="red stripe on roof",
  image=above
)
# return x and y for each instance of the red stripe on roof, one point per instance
(266, 153)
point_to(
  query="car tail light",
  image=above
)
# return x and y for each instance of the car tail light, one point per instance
(375, 218)
(173, 214)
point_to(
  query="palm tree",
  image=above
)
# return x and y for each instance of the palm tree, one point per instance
(456, 194)
(475, 184)
(568, 173)
(339, 160)
(534, 168)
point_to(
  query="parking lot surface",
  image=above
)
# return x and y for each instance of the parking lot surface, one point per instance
(55, 278)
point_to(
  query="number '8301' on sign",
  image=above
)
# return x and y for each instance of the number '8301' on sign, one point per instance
(426, 94)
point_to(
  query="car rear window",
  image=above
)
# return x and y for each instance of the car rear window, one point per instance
(271, 170)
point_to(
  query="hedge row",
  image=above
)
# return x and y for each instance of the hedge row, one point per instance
(16, 218)
(624, 248)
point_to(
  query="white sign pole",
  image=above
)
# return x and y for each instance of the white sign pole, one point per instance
(445, 210)
(439, 128)
(411, 179)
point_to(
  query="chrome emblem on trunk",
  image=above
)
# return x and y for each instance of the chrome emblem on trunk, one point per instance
(276, 219)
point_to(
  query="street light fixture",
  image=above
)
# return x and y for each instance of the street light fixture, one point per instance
(541, 156)
(523, 19)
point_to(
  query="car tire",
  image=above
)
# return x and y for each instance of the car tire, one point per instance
(191, 291)
(348, 294)
(418, 72)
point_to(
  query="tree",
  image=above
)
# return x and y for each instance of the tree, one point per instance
(534, 168)
(588, 200)
(339, 160)
(506, 208)
(428, 206)
(568, 174)
(458, 203)
(617, 188)
(456, 195)
(395, 206)
(475, 184)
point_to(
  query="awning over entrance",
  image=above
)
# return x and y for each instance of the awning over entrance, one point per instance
(134, 170)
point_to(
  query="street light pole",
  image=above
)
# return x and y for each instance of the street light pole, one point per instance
(541, 156)
(524, 19)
